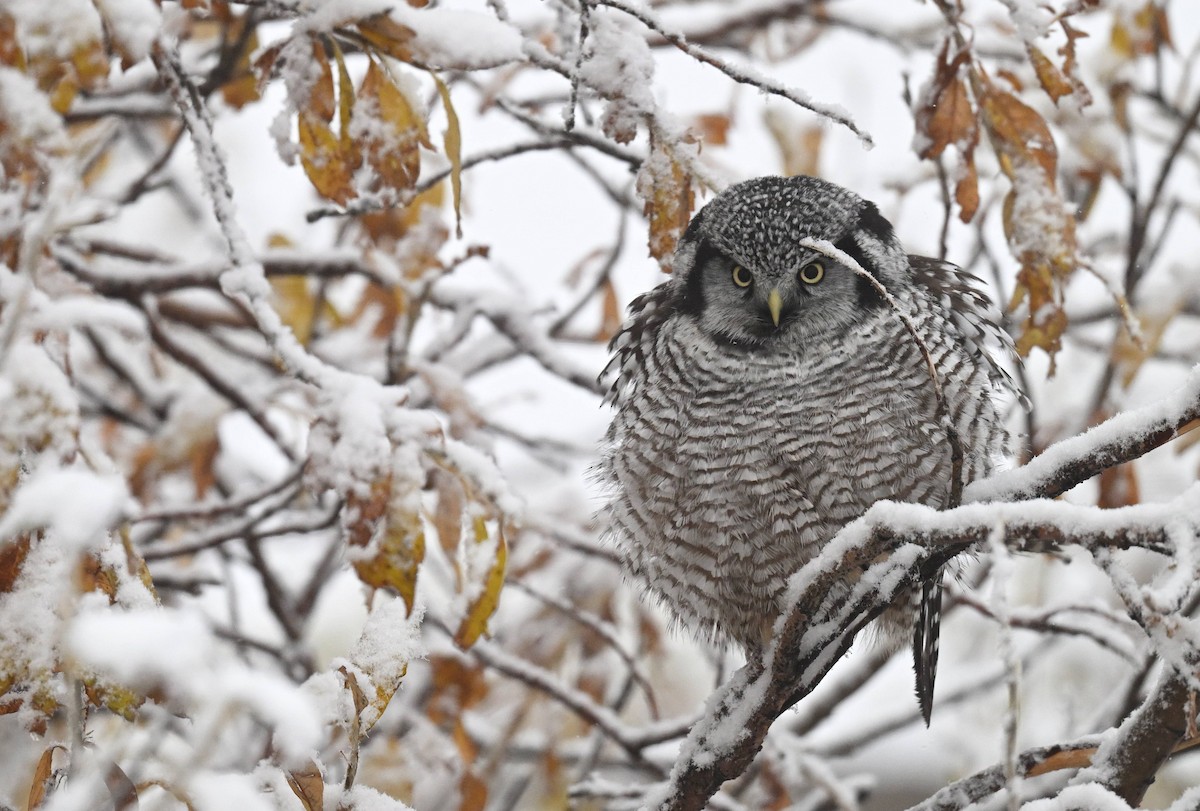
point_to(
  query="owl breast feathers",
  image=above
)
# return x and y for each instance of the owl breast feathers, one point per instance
(766, 395)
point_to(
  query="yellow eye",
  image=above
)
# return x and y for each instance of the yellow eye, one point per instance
(742, 277)
(812, 273)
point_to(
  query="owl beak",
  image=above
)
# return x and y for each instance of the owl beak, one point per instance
(775, 305)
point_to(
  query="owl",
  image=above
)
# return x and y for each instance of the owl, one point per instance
(767, 394)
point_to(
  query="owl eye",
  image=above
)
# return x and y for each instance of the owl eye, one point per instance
(812, 273)
(742, 277)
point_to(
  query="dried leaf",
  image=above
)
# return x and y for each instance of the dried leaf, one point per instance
(948, 117)
(481, 608)
(11, 53)
(393, 149)
(1129, 355)
(713, 128)
(1018, 133)
(320, 97)
(12, 558)
(448, 515)
(345, 99)
(322, 159)
(1118, 487)
(1049, 76)
(120, 788)
(43, 775)
(966, 190)
(388, 36)
(308, 785)
(666, 190)
(472, 791)
(399, 549)
(296, 305)
(610, 320)
(453, 146)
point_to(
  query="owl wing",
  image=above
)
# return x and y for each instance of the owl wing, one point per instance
(629, 346)
(973, 314)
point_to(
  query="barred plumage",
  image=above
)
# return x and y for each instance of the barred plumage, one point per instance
(766, 396)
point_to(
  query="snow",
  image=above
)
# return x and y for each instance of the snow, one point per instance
(27, 111)
(174, 652)
(134, 24)
(77, 506)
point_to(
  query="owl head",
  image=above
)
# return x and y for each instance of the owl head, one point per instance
(744, 274)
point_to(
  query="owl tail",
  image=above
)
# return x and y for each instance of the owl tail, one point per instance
(925, 642)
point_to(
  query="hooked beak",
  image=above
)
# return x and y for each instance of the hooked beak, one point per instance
(775, 305)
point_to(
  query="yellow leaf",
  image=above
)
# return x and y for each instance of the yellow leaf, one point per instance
(392, 150)
(481, 608)
(453, 145)
(323, 161)
(388, 36)
(398, 551)
(296, 305)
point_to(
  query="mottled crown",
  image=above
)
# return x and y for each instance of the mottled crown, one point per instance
(759, 222)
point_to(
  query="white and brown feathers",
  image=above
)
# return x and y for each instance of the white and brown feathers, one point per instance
(756, 420)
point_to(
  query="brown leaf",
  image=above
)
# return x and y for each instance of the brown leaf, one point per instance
(1118, 487)
(949, 117)
(12, 558)
(308, 785)
(1049, 76)
(966, 190)
(11, 53)
(320, 97)
(43, 775)
(713, 128)
(448, 515)
(610, 313)
(388, 36)
(472, 791)
(1018, 133)
(1130, 355)
(666, 190)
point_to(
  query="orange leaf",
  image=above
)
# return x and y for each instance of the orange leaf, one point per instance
(948, 118)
